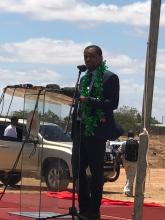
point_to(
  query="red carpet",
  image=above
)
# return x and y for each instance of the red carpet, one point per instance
(118, 211)
(105, 201)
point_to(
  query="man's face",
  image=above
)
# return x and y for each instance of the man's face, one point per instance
(92, 58)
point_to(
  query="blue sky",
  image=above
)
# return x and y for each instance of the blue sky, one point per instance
(42, 42)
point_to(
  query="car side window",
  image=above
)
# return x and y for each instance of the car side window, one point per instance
(54, 133)
(2, 128)
(6, 138)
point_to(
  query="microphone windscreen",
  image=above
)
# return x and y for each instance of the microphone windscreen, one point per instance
(82, 68)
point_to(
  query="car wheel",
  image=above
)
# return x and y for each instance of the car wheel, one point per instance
(11, 179)
(57, 176)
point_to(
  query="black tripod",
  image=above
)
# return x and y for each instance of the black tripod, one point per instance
(76, 137)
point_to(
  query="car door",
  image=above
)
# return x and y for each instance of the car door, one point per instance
(9, 151)
(31, 156)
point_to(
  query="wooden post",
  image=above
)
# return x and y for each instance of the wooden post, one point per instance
(141, 174)
(151, 61)
(147, 108)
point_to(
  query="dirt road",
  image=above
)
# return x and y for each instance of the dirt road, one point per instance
(154, 187)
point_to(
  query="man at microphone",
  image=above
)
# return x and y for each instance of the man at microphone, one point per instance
(99, 96)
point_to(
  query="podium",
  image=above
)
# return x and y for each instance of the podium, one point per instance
(46, 154)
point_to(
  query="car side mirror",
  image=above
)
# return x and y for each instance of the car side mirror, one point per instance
(35, 141)
(31, 140)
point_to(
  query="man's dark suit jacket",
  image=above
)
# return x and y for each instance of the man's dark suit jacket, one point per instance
(110, 129)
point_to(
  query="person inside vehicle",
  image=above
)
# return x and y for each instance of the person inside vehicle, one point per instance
(11, 130)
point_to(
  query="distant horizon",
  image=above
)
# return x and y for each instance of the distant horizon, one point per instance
(61, 111)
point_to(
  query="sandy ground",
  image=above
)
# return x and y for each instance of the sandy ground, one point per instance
(154, 187)
(155, 179)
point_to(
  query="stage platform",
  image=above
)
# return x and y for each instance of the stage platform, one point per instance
(119, 211)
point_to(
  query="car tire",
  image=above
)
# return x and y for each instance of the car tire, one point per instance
(57, 176)
(11, 179)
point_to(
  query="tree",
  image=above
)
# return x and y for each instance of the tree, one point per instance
(49, 116)
(20, 114)
(130, 119)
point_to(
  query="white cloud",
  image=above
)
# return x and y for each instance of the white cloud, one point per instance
(137, 13)
(137, 32)
(160, 64)
(159, 102)
(125, 65)
(129, 86)
(51, 51)
(36, 77)
(131, 94)
(42, 50)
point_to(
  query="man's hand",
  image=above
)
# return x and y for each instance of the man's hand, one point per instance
(103, 120)
(83, 99)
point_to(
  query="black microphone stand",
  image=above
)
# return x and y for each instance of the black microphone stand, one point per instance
(75, 100)
(76, 138)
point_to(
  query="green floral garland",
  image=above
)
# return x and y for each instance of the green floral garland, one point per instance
(91, 119)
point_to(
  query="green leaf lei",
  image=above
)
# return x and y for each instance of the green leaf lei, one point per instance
(91, 119)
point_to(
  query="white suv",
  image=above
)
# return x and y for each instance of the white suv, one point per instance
(48, 157)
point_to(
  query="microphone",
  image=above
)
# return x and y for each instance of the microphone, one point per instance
(28, 86)
(82, 68)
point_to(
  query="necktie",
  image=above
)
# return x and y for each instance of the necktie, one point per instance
(92, 81)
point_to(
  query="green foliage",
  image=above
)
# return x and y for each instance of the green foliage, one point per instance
(20, 114)
(154, 121)
(130, 119)
(49, 116)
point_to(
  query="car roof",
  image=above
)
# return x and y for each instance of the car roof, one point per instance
(49, 93)
(116, 142)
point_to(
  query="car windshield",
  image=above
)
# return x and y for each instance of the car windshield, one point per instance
(52, 132)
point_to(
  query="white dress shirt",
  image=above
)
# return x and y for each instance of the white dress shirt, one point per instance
(10, 131)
